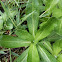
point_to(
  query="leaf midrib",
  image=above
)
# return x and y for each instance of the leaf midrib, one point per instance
(44, 54)
(33, 20)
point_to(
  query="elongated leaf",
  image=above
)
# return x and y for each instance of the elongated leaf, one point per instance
(45, 30)
(32, 21)
(56, 47)
(13, 42)
(1, 12)
(47, 57)
(42, 24)
(4, 16)
(57, 12)
(59, 43)
(9, 25)
(47, 45)
(15, 54)
(33, 54)
(2, 52)
(50, 3)
(53, 37)
(24, 18)
(23, 34)
(41, 7)
(18, 18)
(59, 58)
(1, 24)
(22, 57)
(53, 3)
(58, 28)
(60, 4)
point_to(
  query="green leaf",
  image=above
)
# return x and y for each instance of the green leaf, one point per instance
(1, 24)
(22, 57)
(45, 55)
(60, 4)
(41, 25)
(32, 21)
(58, 28)
(53, 37)
(8, 25)
(45, 30)
(24, 34)
(2, 52)
(57, 12)
(50, 3)
(14, 54)
(41, 7)
(57, 48)
(4, 16)
(60, 43)
(13, 42)
(18, 18)
(47, 45)
(33, 54)
(59, 58)
(1, 13)
(9, 12)
(24, 18)
(43, 20)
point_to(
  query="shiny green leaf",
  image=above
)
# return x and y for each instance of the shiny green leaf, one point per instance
(45, 30)
(57, 12)
(32, 21)
(50, 3)
(24, 34)
(57, 48)
(60, 4)
(59, 58)
(13, 42)
(58, 28)
(60, 43)
(54, 36)
(47, 57)
(47, 45)
(33, 54)
(41, 7)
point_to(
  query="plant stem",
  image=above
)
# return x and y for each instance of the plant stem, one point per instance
(43, 13)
